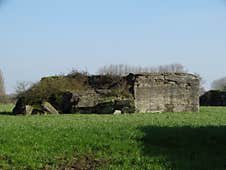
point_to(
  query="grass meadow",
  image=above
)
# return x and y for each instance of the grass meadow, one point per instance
(158, 141)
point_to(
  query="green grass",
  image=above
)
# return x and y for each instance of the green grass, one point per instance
(6, 108)
(140, 141)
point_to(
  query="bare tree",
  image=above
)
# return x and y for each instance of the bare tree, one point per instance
(202, 89)
(21, 87)
(219, 84)
(2, 84)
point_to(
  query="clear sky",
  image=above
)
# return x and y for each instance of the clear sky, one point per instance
(47, 37)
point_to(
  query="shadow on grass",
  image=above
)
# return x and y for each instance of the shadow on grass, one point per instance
(186, 147)
(7, 113)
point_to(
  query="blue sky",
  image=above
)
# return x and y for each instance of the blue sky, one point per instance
(47, 37)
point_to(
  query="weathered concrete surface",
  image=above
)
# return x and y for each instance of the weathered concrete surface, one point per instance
(29, 110)
(213, 98)
(167, 92)
(48, 108)
(71, 101)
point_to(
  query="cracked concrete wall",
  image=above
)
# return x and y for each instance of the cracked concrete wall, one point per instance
(166, 92)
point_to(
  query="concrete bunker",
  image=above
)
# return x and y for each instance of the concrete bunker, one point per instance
(106, 94)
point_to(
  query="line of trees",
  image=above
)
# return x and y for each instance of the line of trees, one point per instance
(122, 69)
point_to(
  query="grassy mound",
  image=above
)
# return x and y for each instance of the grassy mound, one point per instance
(79, 93)
(50, 87)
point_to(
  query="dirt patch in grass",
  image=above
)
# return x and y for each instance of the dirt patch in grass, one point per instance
(86, 162)
(4, 160)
